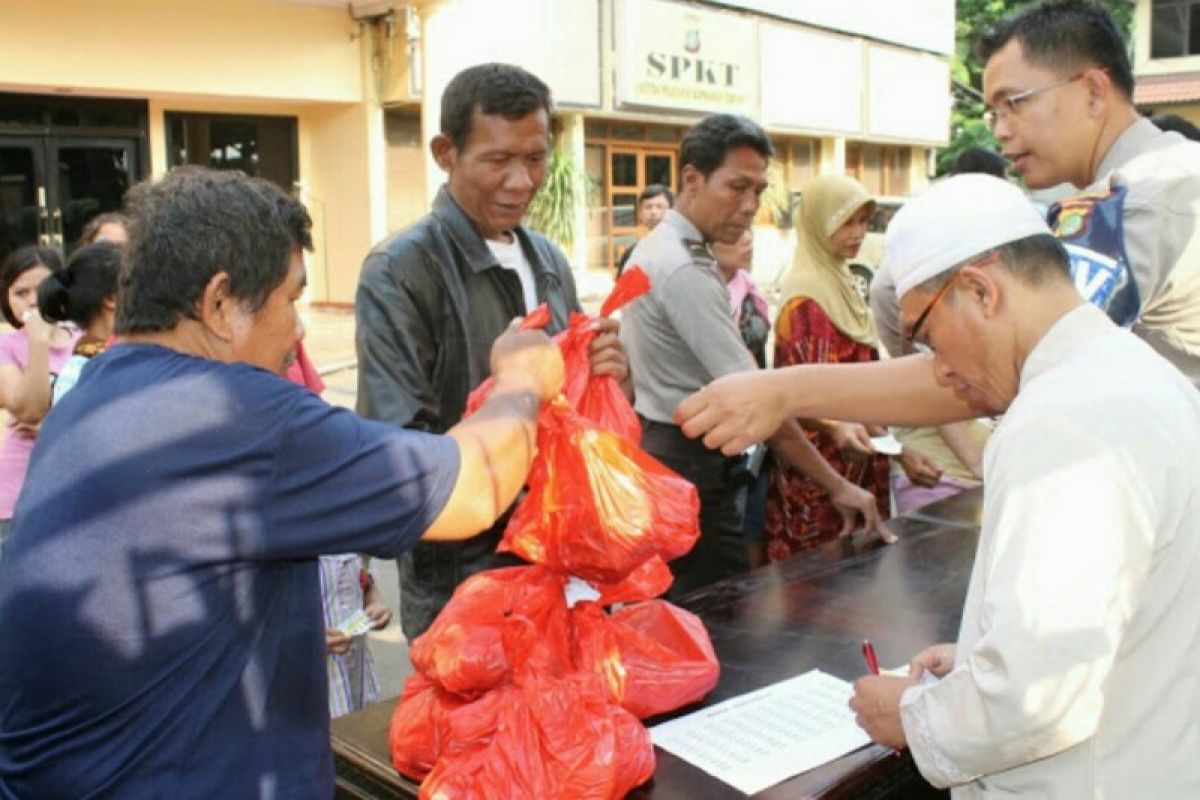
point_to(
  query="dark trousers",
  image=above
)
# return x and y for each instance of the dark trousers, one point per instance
(720, 552)
(431, 571)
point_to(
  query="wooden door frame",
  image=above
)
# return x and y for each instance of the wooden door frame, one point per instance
(640, 151)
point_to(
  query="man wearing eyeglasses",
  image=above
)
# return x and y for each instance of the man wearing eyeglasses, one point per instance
(1074, 674)
(1059, 91)
(1074, 671)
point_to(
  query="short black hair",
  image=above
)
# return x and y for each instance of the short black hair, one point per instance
(77, 292)
(1174, 122)
(656, 190)
(1064, 34)
(93, 226)
(501, 89)
(980, 160)
(17, 264)
(706, 143)
(197, 222)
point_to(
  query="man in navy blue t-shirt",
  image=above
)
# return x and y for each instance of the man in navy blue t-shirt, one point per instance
(161, 633)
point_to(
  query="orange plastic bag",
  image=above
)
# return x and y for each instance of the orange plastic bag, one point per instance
(540, 736)
(553, 739)
(653, 657)
(598, 506)
(463, 651)
(649, 580)
(598, 398)
(420, 731)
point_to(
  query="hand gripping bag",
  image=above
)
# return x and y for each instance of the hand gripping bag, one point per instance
(598, 398)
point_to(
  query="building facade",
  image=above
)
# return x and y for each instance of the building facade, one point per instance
(1167, 57)
(337, 101)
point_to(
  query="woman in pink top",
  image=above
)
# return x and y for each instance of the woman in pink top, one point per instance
(30, 357)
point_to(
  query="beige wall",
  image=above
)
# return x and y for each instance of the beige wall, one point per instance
(229, 57)
(405, 169)
(347, 157)
(334, 144)
(244, 48)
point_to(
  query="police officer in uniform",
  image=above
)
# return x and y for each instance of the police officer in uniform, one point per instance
(681, 336)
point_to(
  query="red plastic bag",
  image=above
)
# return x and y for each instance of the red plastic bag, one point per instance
(653, 657)
(420, 731)
(598, 398)
(649, 580)
(463, 651)
(598, 506)
(552, 738)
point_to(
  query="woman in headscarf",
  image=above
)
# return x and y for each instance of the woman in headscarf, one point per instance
(823, 319)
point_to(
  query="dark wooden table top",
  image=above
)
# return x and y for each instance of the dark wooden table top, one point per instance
(809, 612)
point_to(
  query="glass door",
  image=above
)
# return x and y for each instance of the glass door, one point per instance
(630, 171)
(622, 201)
(24, 216)
(91, 177)
(51, 186)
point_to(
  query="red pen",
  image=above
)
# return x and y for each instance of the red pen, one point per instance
(868, 652)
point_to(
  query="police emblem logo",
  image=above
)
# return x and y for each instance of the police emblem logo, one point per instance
(1070, 224)
(1070, 216)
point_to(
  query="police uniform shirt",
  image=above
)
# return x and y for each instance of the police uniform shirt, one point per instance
(679, 336)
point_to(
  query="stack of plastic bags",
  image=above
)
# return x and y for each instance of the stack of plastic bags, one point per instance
(520, 692)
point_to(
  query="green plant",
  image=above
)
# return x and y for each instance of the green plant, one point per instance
(966, 73)
(777, 199)
(552, 211)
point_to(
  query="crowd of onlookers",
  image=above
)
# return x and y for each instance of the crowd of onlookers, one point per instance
(227, 484)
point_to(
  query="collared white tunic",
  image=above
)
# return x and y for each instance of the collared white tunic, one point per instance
(1078, 664)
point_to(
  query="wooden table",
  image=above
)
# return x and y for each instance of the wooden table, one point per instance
(809, 612)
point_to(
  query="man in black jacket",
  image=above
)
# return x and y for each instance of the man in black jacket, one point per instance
(432, 298)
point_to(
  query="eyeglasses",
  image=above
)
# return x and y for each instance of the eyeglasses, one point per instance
(919, 345)
(914, 338)
(1012, 104)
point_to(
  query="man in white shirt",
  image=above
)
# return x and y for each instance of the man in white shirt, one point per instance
(1075, 671)
(433, 297)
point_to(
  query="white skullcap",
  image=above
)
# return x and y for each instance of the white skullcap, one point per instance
(955, 219)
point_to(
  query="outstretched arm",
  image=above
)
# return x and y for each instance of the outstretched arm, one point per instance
(734, 411)
(497, 443)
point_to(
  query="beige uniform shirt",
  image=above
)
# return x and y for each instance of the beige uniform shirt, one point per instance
(1078, 663)
(1161, 174)
(680, 336)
